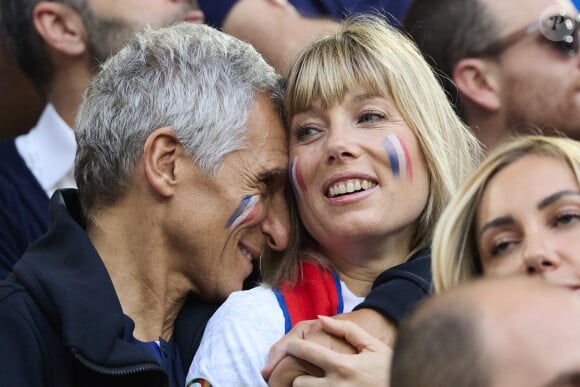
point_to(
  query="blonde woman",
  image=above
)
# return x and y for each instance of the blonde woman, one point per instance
(376, 153)
(518, 214)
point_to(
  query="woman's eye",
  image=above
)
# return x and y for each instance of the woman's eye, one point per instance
(567, 219)
(500, 247)
(371, 117)
(304, 132)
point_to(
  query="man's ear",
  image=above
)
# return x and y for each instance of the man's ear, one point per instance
(61, 27)
(477, 80)
(160, 154)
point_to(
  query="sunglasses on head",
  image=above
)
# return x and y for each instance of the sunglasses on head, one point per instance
(560, 30)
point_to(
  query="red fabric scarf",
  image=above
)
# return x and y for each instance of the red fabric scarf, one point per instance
(319, 293)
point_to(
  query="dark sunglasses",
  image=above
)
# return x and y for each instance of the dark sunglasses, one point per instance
(560, 30)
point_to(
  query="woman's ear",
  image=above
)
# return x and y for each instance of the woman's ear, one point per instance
(478, 81)
(61, 27)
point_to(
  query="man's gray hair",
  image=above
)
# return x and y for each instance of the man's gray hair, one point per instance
(192, 78)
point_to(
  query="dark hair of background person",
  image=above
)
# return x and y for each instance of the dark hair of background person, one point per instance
(20, 103)
(445, 344)
(447, 31)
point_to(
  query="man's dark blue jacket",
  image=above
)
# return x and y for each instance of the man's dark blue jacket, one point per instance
(61, 323)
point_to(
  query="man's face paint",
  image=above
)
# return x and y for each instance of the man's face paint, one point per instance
(296, 177)
(398, 156)
(244, 213)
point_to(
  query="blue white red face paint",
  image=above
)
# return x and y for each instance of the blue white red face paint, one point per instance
(244, 212)
(398, 156)
(296, 178)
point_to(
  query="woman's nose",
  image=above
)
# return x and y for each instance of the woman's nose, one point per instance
(340, 144)
(539, 258)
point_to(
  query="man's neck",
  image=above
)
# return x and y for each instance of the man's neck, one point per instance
(139, 267)
(66, 92)
(489, 128)
(66, 109)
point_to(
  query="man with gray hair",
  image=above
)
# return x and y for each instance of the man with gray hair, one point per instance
(181, 168)
(506, 65)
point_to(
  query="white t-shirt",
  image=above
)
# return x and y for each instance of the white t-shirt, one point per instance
(235, 345)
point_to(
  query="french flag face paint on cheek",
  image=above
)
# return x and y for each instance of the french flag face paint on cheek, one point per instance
(296, 177)
(245, 211)
(398, 156)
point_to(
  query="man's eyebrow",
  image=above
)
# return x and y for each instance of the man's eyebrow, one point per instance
(497, 222)
(273, 174)
(554, 197)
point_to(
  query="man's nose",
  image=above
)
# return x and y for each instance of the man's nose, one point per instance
(276, 224)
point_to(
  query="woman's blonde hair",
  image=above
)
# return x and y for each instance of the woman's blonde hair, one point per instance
(367, 52)
(455, 257)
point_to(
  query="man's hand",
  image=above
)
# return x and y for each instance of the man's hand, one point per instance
(287, 367)
(370, 366)
(292, 367)
(282, 368)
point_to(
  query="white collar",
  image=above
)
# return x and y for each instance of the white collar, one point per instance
(48, 149)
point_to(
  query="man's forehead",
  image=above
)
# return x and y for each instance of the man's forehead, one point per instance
(268, 142)
(270, 153)
(265, 123)
(529, 302)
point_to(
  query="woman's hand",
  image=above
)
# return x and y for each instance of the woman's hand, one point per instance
(369, 366)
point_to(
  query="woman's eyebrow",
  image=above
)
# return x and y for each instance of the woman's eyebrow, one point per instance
(554, 197)
(497, 222)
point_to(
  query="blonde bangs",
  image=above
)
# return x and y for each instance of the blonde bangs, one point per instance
(328, 70)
